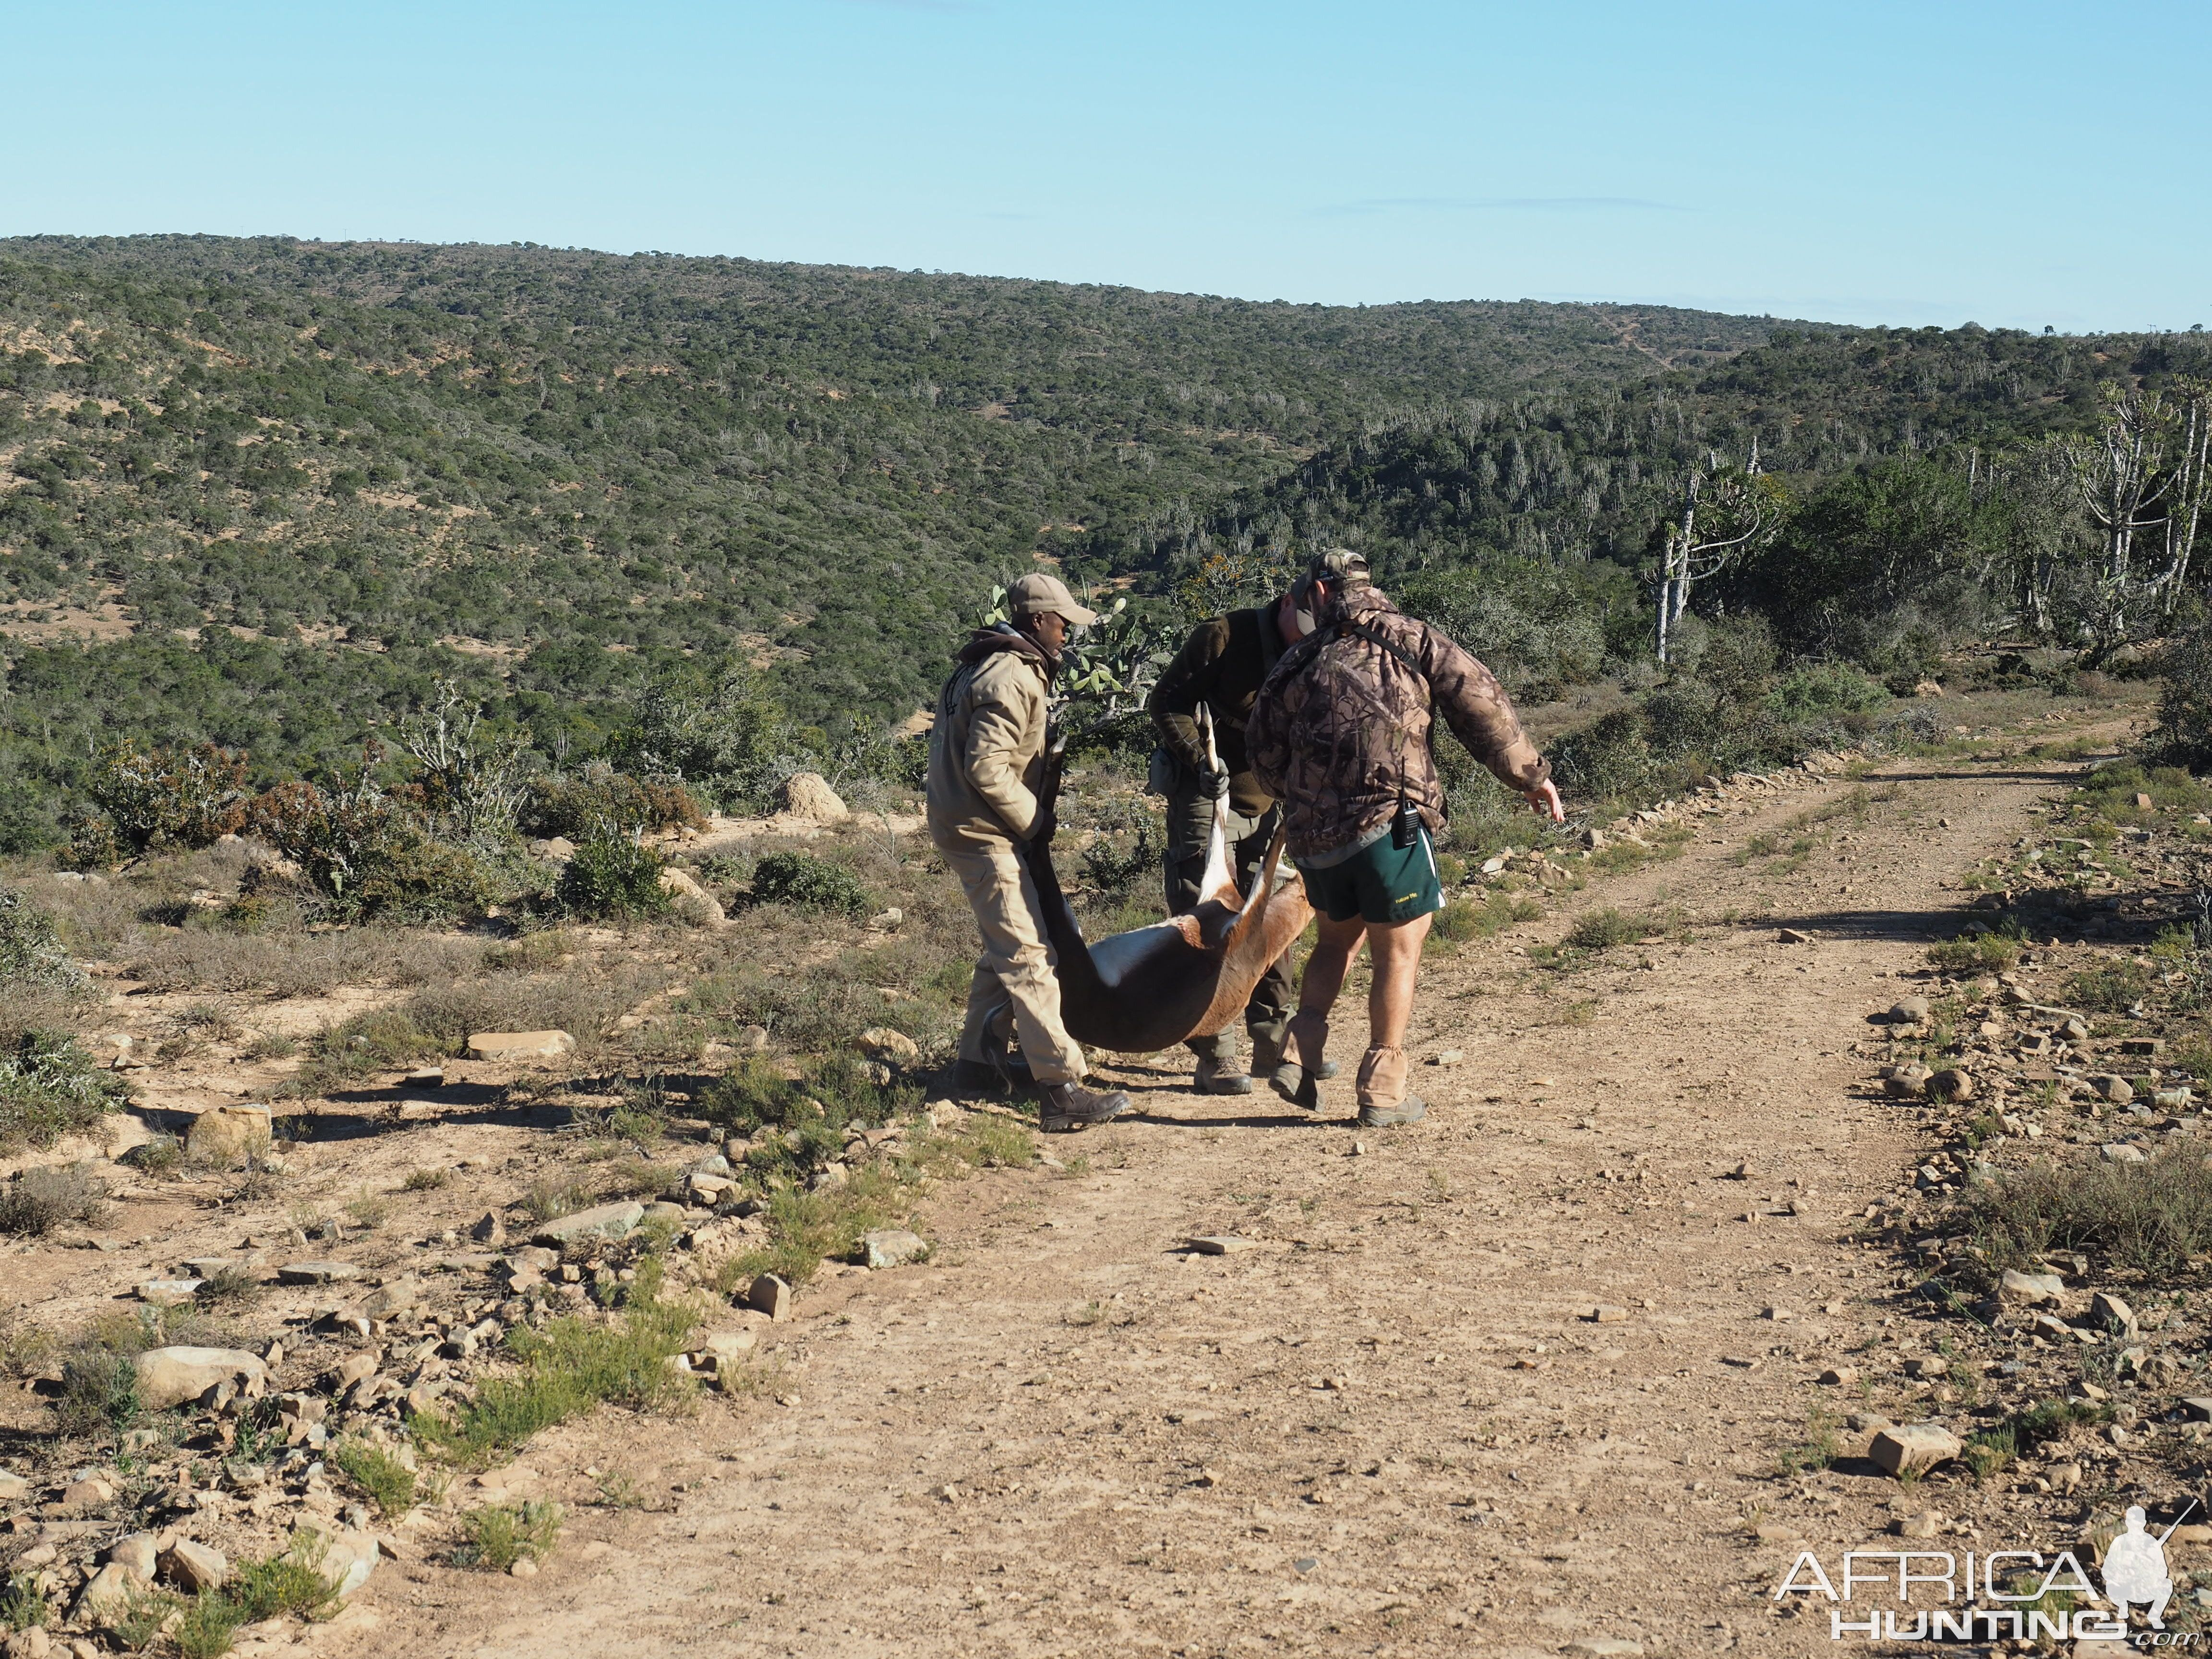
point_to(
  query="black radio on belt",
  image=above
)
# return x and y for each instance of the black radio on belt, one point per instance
(1406, 824)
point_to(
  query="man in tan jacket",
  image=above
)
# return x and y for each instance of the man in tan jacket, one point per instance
(986, 759)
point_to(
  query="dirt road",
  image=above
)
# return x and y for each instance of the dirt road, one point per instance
(1391, 1425)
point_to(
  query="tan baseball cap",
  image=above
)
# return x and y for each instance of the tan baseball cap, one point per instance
(1043, 595)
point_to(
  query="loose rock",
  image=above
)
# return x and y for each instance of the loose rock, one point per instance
(135, 1555)
(2030, 1290)
(881, 1042)
(891, 1248)
(1221, 1244)
(195, 1567)
(488, 1229)
(613, 1220)
(320, 1272)
(1906, 1447)
(223, 1134)
(1951, 1082)
(2109, 1312)
(771, 1294)
(521, 1045)
(2114, 1087)
(169, 1376)
(2122, 1151)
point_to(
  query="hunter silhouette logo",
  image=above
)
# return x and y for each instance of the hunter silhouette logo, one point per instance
(2135, 1569)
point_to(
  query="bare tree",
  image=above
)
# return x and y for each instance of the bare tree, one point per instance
(1719, 523)
(2190, 488)
(474, 777)
(2122, 474)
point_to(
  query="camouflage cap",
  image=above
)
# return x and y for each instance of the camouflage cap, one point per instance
(1040, 595)
(1338, 565)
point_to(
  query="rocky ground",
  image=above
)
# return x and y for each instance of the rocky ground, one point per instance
(1686, 1252)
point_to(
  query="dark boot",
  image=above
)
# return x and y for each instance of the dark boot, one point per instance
(978, 1078)
(1220, 1077)
(1068, 1107)
(1300, 1067)
(1267, 1056)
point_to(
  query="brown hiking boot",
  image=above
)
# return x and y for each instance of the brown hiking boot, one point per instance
(1300, 1067)
(1220, 1077)
(1383, 1102)
(1068, 1107)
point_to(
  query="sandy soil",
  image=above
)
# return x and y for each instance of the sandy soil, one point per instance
(1390, 1424)
(1518, 1378)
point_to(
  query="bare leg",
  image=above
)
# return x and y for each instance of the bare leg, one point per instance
(1333, 953)
(1395, 947)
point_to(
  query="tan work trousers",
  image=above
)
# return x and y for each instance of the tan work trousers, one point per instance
(1014, 992)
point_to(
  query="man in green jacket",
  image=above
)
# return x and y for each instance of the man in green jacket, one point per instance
(1220, 669)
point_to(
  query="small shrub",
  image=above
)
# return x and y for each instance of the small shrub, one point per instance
(602, 803)
(567, 1368)
(31, 951)
(293, 1582)
(229, 1286)
(1113, 871)
(1822, 688)
(549, 1198)
(36, 1201)
(806, 882)
(2152, 1217)
(99, 1392)
(158, 1159)
(25, 1607)
(368, 1211)
(1464, 919)
(2111, 987)
(613, 876)
(997, 1143)
(50, 1087)
(498, 1535)
(1602, 930)
(139, 1624)
(211, 1624)
(1976, 953)
(426, 1181)
(389, 1483)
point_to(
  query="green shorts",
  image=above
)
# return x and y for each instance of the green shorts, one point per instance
(1379, 883)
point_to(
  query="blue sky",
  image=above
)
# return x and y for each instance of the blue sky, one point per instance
(2024, 164)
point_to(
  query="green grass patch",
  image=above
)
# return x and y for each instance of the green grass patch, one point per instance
(1603, 930)
(389, 1483)
(2153, 1217)
(1976, 953)
(497, 1536)
(1465, 919)
(567, 1369)
(2111, 987)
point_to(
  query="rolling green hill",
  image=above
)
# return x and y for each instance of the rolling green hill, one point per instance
(560, 460)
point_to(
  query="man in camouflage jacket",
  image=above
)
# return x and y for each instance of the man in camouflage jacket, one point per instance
(1340, 732)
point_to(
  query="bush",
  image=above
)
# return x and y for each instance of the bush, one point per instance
(2112, 987)
(390, 1484)
(1823, 689)
(50, 1087)
(603, 802)
(2152, 1217)
(31, 951)
(1976, 953)
(806, 882)
(614, 876)
(2184, 712)
(567, 1368)
(498, 1536)
(366, 858)
(36, 1201)
(1603, 929)
(99, 1392)
(176, 800)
